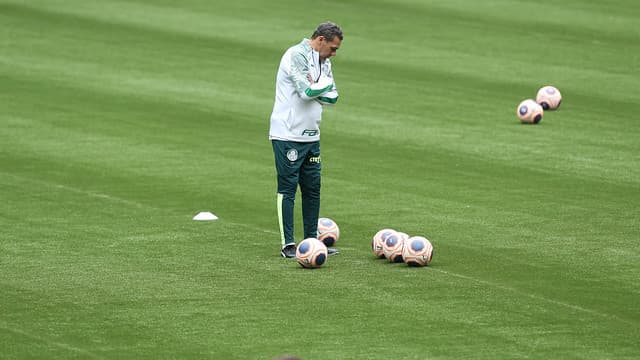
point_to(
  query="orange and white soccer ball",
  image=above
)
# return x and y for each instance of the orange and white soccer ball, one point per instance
(377, 242)
(417, 251)
(549, 97)
(529, 112)
(311, 253)
(328, 231)
(393, 246)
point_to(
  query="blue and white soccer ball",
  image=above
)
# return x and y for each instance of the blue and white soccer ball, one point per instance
(529, 112)
(549, 97)
(417, 251)
(393, 246)
(377, 242)
(328, 231)
(311, 253)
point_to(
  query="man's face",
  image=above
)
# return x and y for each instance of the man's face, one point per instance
(328, 48)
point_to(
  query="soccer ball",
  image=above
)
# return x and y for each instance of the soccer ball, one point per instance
(377, 242)
(529, 112)
(418, 251)
(404, 236)
(328, 231)
(311, 253)
(393, 246)
(549, 97)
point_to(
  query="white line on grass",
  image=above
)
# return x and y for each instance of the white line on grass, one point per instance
(255, 228)
(50, 342)
(536, 297)
(89, 193)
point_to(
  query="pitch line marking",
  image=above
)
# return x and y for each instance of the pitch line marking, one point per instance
(89, 193)
(49, 342)
(254, 228)
(537, 297)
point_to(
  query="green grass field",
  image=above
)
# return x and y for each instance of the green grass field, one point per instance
(120, 120)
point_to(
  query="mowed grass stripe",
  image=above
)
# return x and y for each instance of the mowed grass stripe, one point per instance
(130, 20)
(94, 59)
(575, 17)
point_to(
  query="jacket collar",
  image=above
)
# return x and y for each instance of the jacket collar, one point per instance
(307, 47)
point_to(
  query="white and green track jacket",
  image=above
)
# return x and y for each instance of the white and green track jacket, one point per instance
(303, 86)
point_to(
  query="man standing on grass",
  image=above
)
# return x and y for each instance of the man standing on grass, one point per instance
(304, 84)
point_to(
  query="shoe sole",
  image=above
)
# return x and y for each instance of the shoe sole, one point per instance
(284, 255)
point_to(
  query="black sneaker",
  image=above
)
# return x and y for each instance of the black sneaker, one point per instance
(332, 251)
(288, 251)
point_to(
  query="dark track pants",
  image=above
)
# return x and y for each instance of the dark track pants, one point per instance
(297, 164)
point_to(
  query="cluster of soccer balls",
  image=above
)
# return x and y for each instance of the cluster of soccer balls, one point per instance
(530, 111)
(393, 245)
(399, 247)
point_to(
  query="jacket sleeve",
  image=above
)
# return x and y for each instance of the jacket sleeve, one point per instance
(299, 72)
(330, 97)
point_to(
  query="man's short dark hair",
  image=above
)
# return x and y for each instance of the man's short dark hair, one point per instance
(329, 30)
